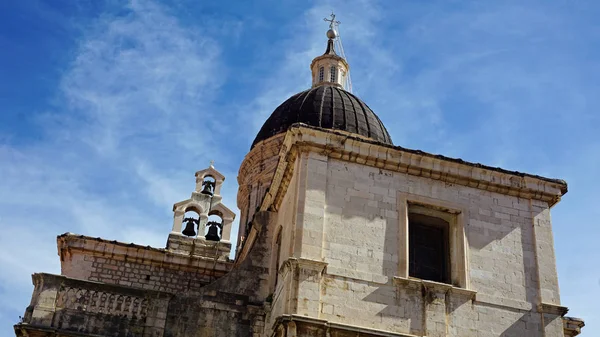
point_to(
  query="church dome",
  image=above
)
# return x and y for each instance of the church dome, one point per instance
(325, 106)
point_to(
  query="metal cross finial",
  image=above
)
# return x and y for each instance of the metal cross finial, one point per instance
(332, 21)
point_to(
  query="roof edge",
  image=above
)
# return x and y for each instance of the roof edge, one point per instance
(432, 155)
(345, 146)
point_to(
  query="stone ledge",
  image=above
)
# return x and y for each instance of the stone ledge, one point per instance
(315, 265)
(344, 147)
(31, 330)
(436, 286)
(553, 309)
(338, 326)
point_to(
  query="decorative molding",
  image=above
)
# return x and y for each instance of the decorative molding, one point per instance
(349, 147)
(434, 286)
(572, 326)
(553, 309)
(293, 262)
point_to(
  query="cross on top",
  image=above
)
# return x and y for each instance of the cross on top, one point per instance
(212, 163)
(332, 21)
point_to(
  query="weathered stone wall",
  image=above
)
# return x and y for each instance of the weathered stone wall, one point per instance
(145, 276)
(229, 306)
(62, 306)
(281, 292)
(254, 178)
(136, 266)
(232, 305)
(349, 216)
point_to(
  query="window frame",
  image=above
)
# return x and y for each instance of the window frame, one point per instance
(333, 74)
(321, 74)
(458, 248)
(421, 217)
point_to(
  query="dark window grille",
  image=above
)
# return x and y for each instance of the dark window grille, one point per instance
(428, 248)
(332, 74)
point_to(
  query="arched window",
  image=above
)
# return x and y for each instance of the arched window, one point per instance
(332, 74)
(213, 230)
(321, 74)
(191, 219)
(208, 185)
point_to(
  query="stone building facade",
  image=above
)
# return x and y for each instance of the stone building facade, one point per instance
(341, 234)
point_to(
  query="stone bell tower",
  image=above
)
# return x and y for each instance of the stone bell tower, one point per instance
(202, 224)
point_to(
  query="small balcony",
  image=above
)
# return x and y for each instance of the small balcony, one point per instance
(62, 306)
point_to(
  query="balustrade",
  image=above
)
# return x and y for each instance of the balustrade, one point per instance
(84, 307)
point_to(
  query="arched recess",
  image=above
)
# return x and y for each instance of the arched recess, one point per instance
(179, 210)
(209, 184)
(191, 221)
(214, 174)
(227, 215)
(214, 226)
(275, 260)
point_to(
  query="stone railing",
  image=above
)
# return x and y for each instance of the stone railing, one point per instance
(63, 305)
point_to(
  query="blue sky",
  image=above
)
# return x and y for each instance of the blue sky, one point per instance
(108, 108)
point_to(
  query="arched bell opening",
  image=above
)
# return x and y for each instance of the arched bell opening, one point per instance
(214, 227)
(208, 185)
(191, 221)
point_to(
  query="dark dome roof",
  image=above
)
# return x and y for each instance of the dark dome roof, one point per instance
(328, 107)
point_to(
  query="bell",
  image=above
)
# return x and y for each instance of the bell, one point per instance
(189, 227)
(213, 234)
(207, 187)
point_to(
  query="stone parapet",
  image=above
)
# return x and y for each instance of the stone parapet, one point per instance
(63, 306)
(144, 267)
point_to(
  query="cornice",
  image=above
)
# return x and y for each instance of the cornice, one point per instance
(347, 147)
(572, 326)
(548, 308)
